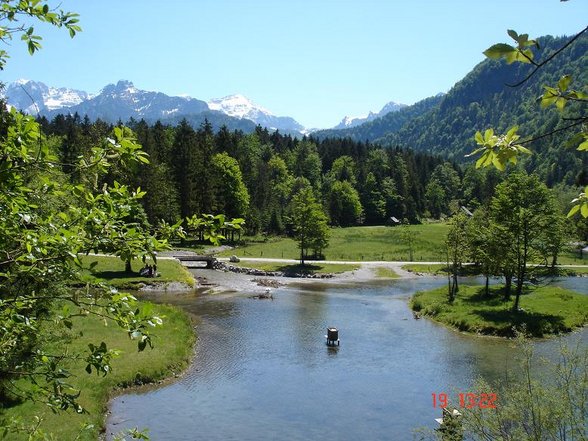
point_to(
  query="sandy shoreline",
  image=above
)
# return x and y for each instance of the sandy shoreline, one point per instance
(227, 281)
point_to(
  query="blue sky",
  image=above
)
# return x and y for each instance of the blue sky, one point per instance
(314, 60)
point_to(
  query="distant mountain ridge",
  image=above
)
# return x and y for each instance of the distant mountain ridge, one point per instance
(349, 121)
(122, 101)
(35, 97)
(382, 125)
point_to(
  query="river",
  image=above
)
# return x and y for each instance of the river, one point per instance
(262, 370)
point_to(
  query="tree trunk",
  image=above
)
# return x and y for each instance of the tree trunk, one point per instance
(554, 260)
(455, 285)
(520, 283)
(507, 286)
(449, 287)
(128, 267)
(515, 307)
(302, 253)
(487, 287)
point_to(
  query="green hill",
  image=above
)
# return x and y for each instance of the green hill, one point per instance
(446, 125)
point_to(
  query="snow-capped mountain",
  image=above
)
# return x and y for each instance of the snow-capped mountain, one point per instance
(350, 121)
(239, 106)
(35, 97)
(123, 100)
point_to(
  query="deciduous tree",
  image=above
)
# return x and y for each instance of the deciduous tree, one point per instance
(523, 209)
(309, 223)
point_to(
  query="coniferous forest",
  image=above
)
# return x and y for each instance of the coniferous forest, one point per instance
(255, 175)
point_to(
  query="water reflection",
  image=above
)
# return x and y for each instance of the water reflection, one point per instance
(263, 371)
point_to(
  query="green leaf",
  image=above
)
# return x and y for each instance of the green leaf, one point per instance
(512, 131)
(564, 82)
(513, 35)
(548, 99)
(499, 50)
(584, 209)
(488, 134)
(497, 163)
(524, 150)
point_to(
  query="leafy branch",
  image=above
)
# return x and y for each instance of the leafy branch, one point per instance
(498, 150)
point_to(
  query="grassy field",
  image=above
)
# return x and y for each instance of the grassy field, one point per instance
(314, 268)
(357, 244)
(101, 269)
(547, 310)
(574, 271)
(571, 257)
(377, 243)
(171, 354)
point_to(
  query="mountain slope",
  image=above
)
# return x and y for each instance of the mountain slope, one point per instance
(445, 125)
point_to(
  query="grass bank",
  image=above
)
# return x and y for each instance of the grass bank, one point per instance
(111, 270)
(471, 270)
(546, 310)
(424, 268)
(172, 352)
(377, 243)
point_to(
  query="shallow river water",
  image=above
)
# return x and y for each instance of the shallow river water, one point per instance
(262, 370)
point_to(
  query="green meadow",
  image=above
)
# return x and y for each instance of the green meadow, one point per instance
(377, 243)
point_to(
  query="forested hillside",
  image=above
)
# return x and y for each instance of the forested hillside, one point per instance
(255, 175)
(482, 100)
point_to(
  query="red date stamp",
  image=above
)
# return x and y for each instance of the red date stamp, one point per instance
(467, 400)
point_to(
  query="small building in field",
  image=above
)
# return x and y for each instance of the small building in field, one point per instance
(393, 221)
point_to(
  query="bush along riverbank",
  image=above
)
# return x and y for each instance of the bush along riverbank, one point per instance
(545, 310)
